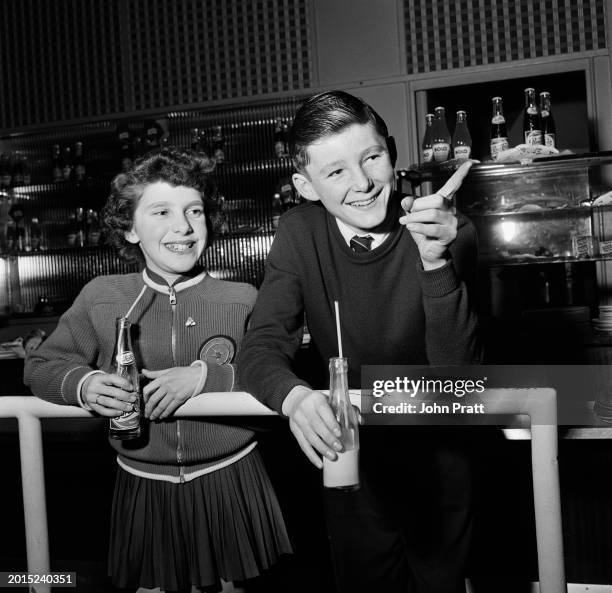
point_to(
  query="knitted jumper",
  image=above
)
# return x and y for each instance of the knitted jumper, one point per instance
(392, 311)
(163, 336)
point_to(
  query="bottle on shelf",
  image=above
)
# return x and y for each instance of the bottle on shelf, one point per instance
(56, 164)
(499, 131)
(462, 141)
(532, 128)
(94, 230)
(152, 135)
(426, 145)
(277, 209)
(287, 192)
(72, 230)
(80, 170)
(124, 136)
(440, 136)
(218, 216)
(35, 234)
(280, 138)
(17, 215)
(127, 426)
(342, 474)
(195, 142)
(218, 145)
(67, 164)
(138, 146)
(17, 171)
(79, 227)
(76, 229)
(11, 235)
(6, 175)
(25, 167)
(549, 130)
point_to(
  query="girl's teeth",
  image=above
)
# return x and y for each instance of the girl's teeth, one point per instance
(177, 246)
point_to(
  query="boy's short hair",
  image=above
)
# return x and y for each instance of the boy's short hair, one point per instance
(173, 165)
(324, 114)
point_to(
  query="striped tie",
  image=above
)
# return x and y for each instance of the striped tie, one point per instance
(361, 244)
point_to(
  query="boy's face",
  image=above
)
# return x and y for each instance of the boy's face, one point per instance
(170, 226)
(352, 174)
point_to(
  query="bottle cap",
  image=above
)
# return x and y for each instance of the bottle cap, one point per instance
(496, 99)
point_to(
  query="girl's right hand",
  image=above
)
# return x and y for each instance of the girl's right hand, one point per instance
(108, 395)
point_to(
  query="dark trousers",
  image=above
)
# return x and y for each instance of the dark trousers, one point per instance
(407, 529)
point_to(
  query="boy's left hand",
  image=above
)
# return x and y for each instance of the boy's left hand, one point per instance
(168, 390)
(432, 221)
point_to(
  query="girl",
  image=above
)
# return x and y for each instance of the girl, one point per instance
(193, 505)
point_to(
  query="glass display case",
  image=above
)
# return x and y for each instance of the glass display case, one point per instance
(54, 182)
(549, 210)
(544, 231)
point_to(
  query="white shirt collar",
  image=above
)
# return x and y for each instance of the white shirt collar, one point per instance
(347, 233)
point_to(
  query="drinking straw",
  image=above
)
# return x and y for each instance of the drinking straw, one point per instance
(338, 329)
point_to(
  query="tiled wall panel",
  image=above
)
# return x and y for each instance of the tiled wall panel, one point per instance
(62, 60)
(449, 34)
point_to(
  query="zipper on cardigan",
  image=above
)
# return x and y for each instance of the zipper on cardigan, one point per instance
(179, 448)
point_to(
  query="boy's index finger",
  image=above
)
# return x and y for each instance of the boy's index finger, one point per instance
(454, 183)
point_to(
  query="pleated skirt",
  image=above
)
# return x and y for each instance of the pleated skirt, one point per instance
(223, 525)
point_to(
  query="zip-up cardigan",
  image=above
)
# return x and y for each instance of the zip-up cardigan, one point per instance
(171, 326)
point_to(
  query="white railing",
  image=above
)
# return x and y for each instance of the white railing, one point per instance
(540, 405)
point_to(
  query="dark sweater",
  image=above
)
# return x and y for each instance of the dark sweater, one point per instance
(392, 311)
(84, 340)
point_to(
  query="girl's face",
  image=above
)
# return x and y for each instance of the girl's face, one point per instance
(170, 227)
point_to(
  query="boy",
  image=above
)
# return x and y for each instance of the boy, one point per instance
(405, 298)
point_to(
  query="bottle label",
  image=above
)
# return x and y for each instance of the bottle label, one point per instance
(462, 152)
(126, 358)
(533, 137)
(441, 151)
(498, 145)
(532, 110)
(427, 155)
(127, 420)
(549, 140)
(545, 113)
(498, 119)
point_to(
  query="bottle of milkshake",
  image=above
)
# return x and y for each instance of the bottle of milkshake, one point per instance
(343, 473)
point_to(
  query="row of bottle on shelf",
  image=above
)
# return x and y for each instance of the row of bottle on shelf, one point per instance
(69, 162)
(538, 129)
(82, 228)
(20, 233)
(14, 170)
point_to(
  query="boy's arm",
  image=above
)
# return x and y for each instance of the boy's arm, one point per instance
(265, 362)
(449, 295)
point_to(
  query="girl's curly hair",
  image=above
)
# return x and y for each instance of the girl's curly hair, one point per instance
(173, 165)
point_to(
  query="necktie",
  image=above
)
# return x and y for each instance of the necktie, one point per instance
(361, 244)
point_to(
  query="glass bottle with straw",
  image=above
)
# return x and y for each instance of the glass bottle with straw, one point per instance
(343, 473)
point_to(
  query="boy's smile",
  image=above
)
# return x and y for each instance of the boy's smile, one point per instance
(351, 173)
(170, 226)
